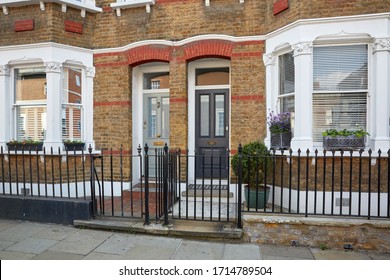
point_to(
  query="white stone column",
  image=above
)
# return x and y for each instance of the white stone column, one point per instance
(303, 130)
(271, 89)
(53, 136)
(5, 106)
(88, 108)
(381, 80)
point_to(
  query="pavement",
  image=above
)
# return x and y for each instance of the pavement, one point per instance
(22, 240)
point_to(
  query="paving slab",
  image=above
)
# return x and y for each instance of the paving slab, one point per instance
(197, 250)
(5, 224)
(57, 232)
(21, 231)
(379, 256)
(271, 252)
(5, 244)
(49, 255)
(81, 242)
(8, 255)
(241, 252)
(103, 256)
(117, 244)
(150, 253)
(32, 245)
(338, 255)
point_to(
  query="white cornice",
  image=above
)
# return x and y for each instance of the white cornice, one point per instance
(70, 3)
(181, 42)
(301, 22)
(44, 45)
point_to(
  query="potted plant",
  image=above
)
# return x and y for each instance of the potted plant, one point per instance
(255, 165)
(280, 128)
(25, 145)
(344, 139)
(74, 145)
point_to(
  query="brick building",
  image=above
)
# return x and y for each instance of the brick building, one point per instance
(193, 74)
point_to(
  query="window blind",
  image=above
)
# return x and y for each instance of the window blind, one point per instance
(340, 88)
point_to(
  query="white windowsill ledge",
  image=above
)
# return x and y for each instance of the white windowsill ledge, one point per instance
(127, 4)
(88, 6)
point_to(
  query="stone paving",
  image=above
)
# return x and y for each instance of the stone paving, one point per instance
(20, 240)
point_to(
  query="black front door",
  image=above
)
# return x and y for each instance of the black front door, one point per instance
(212, 133)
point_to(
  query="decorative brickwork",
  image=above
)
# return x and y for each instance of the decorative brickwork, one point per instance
(24, 25)
(280, 6)
(73, 27)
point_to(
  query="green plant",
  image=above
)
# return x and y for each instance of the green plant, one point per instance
(359, 132)
(69, 141)
(24, 142)
(255, 163)
(323, 246)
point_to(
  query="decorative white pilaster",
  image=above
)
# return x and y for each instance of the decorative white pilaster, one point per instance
(381, 123)
(5, 105)
(271, 88)
(88, 107)
(54, 106)
(303, 131)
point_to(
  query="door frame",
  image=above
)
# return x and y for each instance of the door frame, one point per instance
(137, 108)
(192, 66)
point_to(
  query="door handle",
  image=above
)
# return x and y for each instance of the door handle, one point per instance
(211, 143)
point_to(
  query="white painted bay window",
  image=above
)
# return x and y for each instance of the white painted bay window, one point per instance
(46, 96)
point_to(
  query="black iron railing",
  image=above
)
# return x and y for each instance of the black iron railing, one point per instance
(163, 184)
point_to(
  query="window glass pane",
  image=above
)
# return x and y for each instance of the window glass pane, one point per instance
(30, 85)
(72, 104)
(30, 102)
(286, 73)
(339, 111)
(219, 115)
(204, 115)
(156, 80)
(340, 68)
(212, 76)
(287, 105)
(152, 124)
(165, 117)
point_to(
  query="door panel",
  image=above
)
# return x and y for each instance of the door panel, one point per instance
(212, 133)
(155, 125)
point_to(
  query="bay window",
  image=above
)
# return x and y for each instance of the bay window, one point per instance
(340, 88)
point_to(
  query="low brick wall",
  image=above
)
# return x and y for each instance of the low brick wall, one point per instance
(329, 232)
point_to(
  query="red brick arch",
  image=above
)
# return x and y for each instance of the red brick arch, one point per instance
(208, 48)
(149, 53)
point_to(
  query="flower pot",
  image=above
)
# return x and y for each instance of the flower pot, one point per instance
(343, 142)
(256, 198)
(74, 147)
(281, 140)
(25, 147)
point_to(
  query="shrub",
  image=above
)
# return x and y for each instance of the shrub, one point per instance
(256, 163)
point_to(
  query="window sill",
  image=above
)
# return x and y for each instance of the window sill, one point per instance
(127, 4)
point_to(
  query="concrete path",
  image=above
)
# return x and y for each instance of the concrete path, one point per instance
(20, 240)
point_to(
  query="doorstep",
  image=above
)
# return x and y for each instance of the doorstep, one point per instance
(182, 228)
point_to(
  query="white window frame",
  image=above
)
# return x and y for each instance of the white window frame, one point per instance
(319, 144)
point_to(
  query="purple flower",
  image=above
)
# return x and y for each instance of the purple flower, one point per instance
(279, 122)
